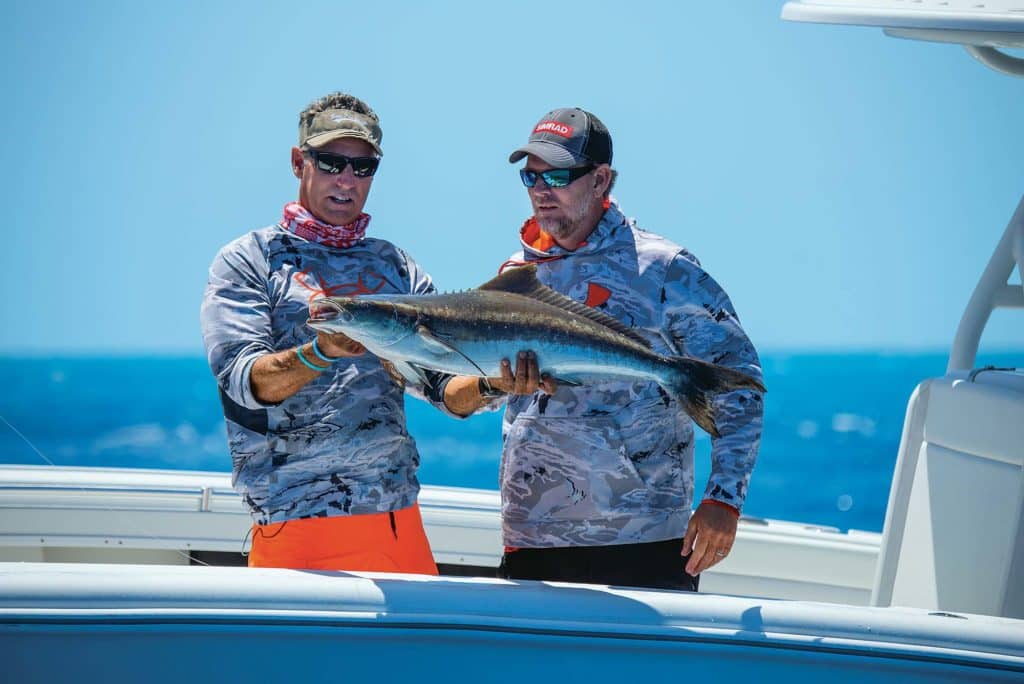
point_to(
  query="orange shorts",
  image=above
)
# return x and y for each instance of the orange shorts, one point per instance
(375, 542)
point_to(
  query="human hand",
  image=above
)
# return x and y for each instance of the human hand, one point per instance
(337, 345)
(709, 537)
(527, 378)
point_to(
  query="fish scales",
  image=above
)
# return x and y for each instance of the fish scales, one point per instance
(507, 323)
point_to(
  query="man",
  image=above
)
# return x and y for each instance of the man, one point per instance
(316, 427)
(597, 482)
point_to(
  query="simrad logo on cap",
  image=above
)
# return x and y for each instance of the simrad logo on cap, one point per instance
(556, 127)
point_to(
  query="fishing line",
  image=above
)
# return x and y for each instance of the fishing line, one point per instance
(27, 441)
(145, 532)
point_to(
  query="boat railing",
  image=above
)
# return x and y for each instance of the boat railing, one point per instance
(992, 292)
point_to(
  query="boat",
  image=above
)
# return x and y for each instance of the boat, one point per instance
(115, 574)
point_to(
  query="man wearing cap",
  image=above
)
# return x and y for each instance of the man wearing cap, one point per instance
(316, 427)
(597, 481)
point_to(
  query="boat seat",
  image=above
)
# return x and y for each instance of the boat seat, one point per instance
(954, 531)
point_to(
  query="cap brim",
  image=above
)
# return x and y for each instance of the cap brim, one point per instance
(318, 141)
(556, 155)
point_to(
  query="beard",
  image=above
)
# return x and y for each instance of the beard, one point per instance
(562, 228)
(558, 228)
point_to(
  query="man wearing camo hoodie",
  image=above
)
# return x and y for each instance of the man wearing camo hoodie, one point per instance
(597, 481)
(316, 427)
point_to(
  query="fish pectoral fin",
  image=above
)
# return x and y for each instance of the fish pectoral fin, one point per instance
(412, 373)
(566, 381)
(435, 344)
(440, 347)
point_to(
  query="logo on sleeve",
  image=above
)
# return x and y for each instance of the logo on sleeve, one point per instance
(556, 127)
(597, 295)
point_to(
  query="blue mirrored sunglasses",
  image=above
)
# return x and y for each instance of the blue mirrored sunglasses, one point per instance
(554, 178)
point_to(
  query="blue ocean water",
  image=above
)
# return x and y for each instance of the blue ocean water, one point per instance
(832, 426)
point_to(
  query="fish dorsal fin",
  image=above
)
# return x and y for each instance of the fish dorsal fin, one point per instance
(523, 281)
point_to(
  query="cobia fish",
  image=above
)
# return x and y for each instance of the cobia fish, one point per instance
(469, 333)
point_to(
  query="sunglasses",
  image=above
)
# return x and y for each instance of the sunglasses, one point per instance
(554, 178)
(328, 162)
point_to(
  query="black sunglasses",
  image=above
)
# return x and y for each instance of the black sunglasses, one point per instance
(328, 162)
(554, 178)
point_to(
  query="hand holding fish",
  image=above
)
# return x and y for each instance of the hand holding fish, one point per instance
(465, 394)
(338, 345)
(527, 378)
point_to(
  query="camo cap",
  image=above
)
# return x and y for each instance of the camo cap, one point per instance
(568, 137)
(332, 124)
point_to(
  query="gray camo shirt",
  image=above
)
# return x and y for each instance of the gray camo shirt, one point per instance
(613, 463)
(339, 446)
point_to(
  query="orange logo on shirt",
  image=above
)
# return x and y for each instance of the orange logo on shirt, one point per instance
(366, 283)
(597, 295)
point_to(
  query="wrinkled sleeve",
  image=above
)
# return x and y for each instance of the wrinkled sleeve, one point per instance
(700, 322)
(235, 318)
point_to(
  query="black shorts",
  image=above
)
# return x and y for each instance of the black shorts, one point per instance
(657, 565)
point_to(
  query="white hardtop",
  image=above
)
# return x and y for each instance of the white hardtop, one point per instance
(981, 27)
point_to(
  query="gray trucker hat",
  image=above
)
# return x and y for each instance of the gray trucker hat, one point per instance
(568, 137)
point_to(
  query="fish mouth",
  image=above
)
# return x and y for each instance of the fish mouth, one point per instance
(328, 311)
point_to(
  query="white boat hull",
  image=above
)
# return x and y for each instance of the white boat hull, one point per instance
(87, 622)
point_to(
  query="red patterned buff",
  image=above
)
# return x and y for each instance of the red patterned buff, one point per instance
(299, 221)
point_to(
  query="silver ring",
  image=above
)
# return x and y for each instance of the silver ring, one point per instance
(719, 553)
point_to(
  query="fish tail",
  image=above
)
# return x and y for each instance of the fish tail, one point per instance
(695, 384)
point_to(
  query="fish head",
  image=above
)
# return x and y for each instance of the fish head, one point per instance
(372, 321)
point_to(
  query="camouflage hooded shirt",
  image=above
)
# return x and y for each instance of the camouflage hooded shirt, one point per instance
(613, 463)
(338, 446)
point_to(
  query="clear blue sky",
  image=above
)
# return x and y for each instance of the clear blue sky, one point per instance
(846, 188)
